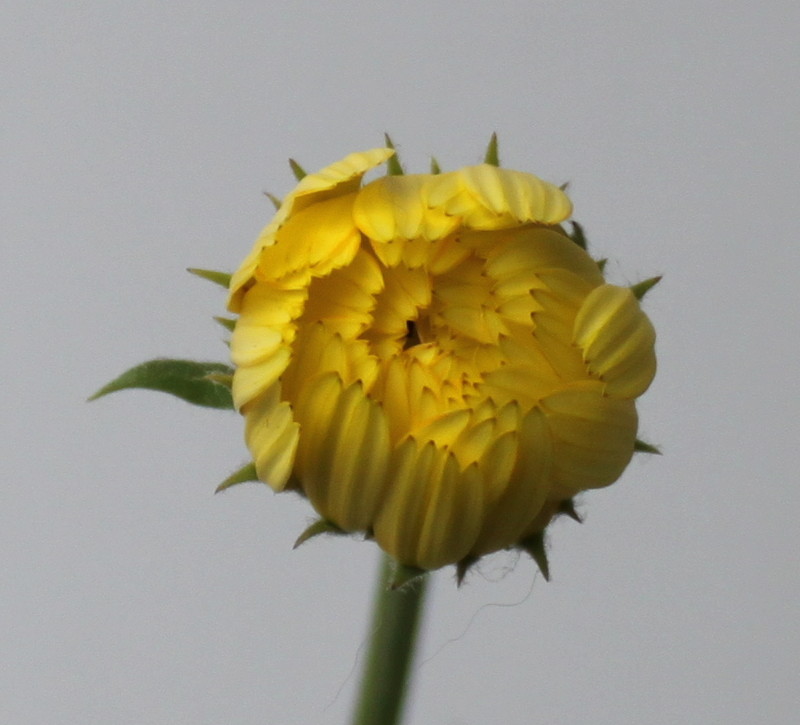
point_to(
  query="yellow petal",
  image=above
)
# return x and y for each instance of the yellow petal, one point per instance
(433, 512)
(319, 238)
(249, 349)
(593, 436)
(345, 298)
(344, 452)
(537, 251)
(488, 197)
(243, 276)
(405, 292)
(320, 349)
(341, 177)
(393, 208)
(617, 340)
(252, 380)
(272, 435)
(527, 487)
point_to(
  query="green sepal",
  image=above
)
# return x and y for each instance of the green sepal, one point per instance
(393, 165)
(535, 547)
(642, 447)
(492, 157)
(462, 567)
(298, 171)
(567, 508)
(223, 279)
(245, 474)
(577, 234)
(564, 186)
(601, 264)
(186, 379)
(227, 322)
(403, 576)
(640, 289)
(276, 202)
(435, 168)
(320, 526)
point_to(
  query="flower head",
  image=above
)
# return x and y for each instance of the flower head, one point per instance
(432, 359)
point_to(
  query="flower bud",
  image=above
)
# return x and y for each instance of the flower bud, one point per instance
(432, 360)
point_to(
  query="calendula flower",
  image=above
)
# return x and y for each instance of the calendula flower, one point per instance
(432, 360)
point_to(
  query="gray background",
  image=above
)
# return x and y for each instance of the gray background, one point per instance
(137, 140)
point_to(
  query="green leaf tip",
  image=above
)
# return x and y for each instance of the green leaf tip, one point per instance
(245, 474)
(492, 155)
(640, 289)
(536, 549)
(404, 576)
(223, 279)
(393, 165)
(185, 379)
(298, 171)
(320, 526)
(642, 447)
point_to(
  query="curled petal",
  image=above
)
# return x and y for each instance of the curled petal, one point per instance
(488, 197)
(319, 239)
(261, 339)
(251, 381)
(341, 177)
(272, 433)
(617, 340)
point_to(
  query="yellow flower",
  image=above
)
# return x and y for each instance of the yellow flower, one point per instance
(432, 360)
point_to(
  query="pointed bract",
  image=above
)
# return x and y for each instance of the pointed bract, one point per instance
(246, 474)
(320, 526)
(223, 279)
(640, 289)
(577, 234)
(567, 508)
(276, 202)
(298, 171)
(226, 322)
(492, 156)
(462, 567)
(642, 447)
(393, 165)
(535, 546)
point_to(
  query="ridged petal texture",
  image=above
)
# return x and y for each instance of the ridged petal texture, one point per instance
(431, 360)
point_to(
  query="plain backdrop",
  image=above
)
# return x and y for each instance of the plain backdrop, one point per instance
(138, 139)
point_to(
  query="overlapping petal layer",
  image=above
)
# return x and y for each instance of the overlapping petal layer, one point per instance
(432, 360)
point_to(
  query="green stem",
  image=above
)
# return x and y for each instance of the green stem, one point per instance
(395, 622)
